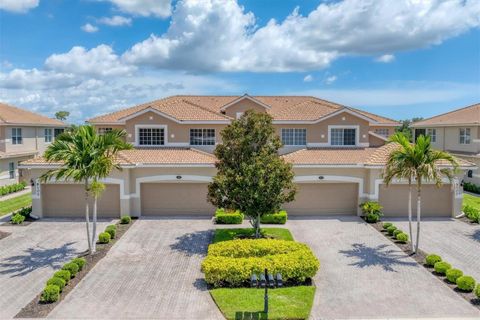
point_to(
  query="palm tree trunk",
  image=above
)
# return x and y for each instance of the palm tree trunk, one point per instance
(419, 209)
(87, 217)
(410, 213)
(94, 231)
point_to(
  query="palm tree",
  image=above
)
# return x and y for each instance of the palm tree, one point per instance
(96, 188)
(85, 156)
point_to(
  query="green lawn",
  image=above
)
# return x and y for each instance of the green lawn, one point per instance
(231, 234)
(470, 200)
(14, 204)
(247, 303)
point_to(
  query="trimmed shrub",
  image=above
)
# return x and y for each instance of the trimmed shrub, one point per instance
(466, 283)
(223, 216)
(453, 275)
(397, 231)
(59, 282)
(391, 229)
(17, 219)
(442, 267)
(112, 230)
(472, 213)
(477, 291)
(125, 220)
(104, 237)
(80, 262)
(275, 218)
(231, 263)
(471, 187)
(386, 225)
(50, 294)
(11, 188)
(72, 268)
(431, 259)
(63, 274)
(402, 237)
(25, 211)
(372, 218)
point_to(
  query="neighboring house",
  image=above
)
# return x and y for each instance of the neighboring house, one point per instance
(457, 132)
(337, 152)
(23, 135)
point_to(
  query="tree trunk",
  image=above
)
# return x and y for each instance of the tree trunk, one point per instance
(419, 208)
(94, 231)
(87, 218)
(410, 213)
(257, 227)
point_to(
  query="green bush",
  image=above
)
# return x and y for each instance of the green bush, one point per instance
(231, 263)
(391, 229)
(112, 230)
(104, 237)
(472, 213)
(371, 207)
(431, 259)
(442, 267)
(477, 291)
(453, 275)
(471, 187)
(386, 225)
(80, 262)
(50, 294)
(466, 283)
(402, 237)
(63, 274)
(25, 211)
(17, 219)
(59, 282)
(397, 231)
(223, 216)
(275, 218)
(11, 188)
(125, 220)
(372, 218)
(72, 268)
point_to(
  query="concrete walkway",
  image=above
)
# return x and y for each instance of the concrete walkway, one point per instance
(455, 241)
(31, 254)
(363, 275)
(152, 272)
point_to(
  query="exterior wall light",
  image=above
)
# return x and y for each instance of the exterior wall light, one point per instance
(179, 177)
(321, 177)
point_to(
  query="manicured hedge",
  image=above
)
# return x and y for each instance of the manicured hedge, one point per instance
(104, 238)
(17, 219)
(112, 230)
(231, 263)
(402, 237)
(472, 213)
(125, 220)
(442, 267)
(50, 294)
(466, 283)
(453, 275)
(275, 218)
(223, 216)
(11, 188)
(431, 259)
(471, 187)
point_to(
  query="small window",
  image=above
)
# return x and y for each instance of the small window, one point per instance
(294, 137)
(384, 132)
(151, 136)
(432, 133)
(48, 135)
(104, 130)
(202, 137)
(58, 132)
(17, 136)
(464, 135)
(11, 170)
(343, 137)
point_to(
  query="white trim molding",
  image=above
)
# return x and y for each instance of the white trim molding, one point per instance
(169, 178)
(357, 135)
(136, 142)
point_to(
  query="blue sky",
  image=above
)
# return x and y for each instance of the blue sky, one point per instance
(400, 59)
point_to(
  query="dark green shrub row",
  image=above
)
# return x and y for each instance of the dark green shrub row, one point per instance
(472, 213)
(275, 218)
(372, 211)
(125, 220)
(223, 216)
(60, 279)
(471, 187)
(464, 283)
(393, 231)
(11, 188)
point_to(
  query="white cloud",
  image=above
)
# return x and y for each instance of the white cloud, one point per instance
(89, 28)
(100, 61)
(331, 79)
(18, 6)
(158, 8)
(36, 79)
(116, 21)
(386, 58)
(308, 78)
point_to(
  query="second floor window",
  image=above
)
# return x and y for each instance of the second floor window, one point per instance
(104, 130)
(384, 132)
(464, 135)
(202, 137)
(343, 137)
(294, 137)
(432, 133)
(17, 136)
(151, 136)
(48, 135)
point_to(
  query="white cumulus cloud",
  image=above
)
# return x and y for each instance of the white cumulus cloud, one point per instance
(158, 8)
(308, 78)
(89, 28)
(386, 58)
(18, 6)
(331, 79)
(115, 21)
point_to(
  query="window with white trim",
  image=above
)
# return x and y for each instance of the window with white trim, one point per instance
(11, 170)
(465, 136)
(202, 137)
(343, 137)
(384, 132)
(151, 136)
(432, 133)
(17, 136)
(294, 137)
(104, 130)
(48, 135)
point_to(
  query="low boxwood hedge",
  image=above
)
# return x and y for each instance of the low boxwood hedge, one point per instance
(50, 294)
(231, 263)
(125, 220)
(72, 268)
(431, 259)
(391, 229)
(104, 238)
(385, 225)
(17, 219)
(223, 216)
(466, 283)
(453, 275)
(12, 188)
(442, 267)
(63, 274)
(59, 282)
(275, 218)
(80, 262)
(402, 237)
(112, 230)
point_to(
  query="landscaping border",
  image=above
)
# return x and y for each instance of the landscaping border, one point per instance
(419, 257)
(37, 309)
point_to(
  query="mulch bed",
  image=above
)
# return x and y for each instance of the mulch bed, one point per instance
(4, 234)
(419, 257)
(468, 221)
(37, 309)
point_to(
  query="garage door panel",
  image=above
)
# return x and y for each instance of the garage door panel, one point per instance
(175, 199)
(324, 199)
(436, 202)
(68, 200)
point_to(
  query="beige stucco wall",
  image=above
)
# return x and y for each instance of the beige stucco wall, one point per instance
(243, 106)
(19, 174)
(448, 138)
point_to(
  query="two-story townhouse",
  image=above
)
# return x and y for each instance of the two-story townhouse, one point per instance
(23, 135)
(337, 153)
(457, 132)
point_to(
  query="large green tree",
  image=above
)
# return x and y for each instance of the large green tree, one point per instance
(62, 115)
(251, 176)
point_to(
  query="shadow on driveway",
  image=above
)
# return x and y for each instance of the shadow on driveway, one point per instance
(194, 243)
(376, 256)
(476, 235)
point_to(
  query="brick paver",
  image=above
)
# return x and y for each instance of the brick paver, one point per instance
(152, 272)
(30, 255)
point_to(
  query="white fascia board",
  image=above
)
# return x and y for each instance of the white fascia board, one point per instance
(246, 96)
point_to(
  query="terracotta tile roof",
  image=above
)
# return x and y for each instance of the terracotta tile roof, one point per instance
(208, 108)
(467, 115)
(14, 115)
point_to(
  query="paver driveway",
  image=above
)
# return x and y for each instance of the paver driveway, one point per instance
(29, 256)
(455, 241)
(152, 272)
(363, 275)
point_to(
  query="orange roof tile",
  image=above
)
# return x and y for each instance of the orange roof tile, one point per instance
(467, 115)
(13, 115)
